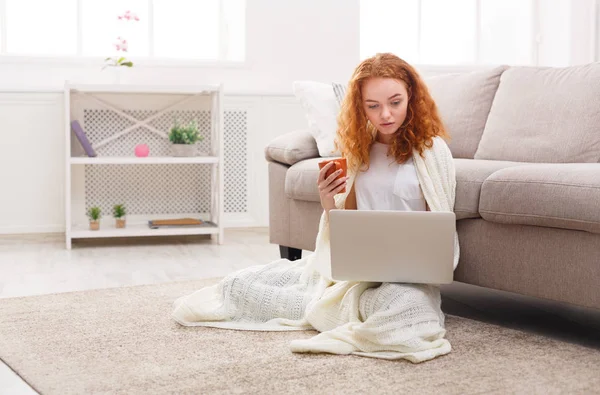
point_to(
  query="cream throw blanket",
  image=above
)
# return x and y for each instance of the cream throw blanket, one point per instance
(389, 320)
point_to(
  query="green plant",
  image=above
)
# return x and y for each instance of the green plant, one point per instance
(116, 62)
(185, 134)
(118, 211)
(94, 213)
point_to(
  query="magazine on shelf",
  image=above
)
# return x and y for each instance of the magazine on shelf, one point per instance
(179, 223)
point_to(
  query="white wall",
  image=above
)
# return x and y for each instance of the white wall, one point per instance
(583, 31)
(569, 32)
(555, 23)
(309, 39)
(286, 40)
(597, 31)
(31, 163)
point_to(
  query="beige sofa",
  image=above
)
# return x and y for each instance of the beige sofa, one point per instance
(526, 143)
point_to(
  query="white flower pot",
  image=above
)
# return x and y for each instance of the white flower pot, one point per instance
(120, 74)
(183, 150)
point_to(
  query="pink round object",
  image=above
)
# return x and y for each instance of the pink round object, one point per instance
(142, 150)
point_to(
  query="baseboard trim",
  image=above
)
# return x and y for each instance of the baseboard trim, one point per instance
(18, 230)
(240, 220)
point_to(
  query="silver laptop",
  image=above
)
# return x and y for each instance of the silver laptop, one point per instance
(392, 246)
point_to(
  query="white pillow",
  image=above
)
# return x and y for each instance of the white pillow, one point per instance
(321, 107)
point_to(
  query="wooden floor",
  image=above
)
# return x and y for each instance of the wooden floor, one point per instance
(39, 264)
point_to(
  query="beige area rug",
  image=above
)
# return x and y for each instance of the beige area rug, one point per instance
(123, 341)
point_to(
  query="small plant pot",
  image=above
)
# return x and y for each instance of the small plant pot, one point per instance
(94, 225)
(120, 223)
(183, 150)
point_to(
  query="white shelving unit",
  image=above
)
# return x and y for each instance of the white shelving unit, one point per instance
(115, 118)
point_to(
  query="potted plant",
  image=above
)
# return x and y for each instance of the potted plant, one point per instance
(94, 214)
(183, 138)
(119, 62)
(119, 215)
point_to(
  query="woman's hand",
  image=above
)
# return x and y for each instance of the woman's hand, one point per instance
(329, 187)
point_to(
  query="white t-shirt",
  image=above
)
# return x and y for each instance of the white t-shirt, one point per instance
(387, 185)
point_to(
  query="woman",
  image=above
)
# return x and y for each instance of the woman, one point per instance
(390, 134)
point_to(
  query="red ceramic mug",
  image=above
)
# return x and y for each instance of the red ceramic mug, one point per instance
(339, 163)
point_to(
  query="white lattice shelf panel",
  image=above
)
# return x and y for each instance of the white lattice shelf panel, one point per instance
(150, 160)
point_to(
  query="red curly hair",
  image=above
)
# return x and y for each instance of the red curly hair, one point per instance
(422, 123)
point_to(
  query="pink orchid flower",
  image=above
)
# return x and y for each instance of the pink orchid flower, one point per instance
(128, 16)
(121, 44)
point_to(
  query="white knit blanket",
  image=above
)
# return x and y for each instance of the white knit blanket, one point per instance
(381, 320)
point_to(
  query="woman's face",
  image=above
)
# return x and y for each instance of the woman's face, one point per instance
(385, 101)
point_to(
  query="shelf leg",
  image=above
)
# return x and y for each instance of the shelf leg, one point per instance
(218, 238)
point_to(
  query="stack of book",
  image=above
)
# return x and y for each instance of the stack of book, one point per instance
(179, 223)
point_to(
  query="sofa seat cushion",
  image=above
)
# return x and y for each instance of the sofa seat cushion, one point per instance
(553, 195)
(301, 180)
(470, 175)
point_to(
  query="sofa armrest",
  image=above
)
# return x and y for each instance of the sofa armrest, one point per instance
(292, 147)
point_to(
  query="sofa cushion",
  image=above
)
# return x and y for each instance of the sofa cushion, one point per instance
(321, 108)
(545, 115)
(301, 180)
(470, 175)
(553, 195)
(464, 102)
(292, 147)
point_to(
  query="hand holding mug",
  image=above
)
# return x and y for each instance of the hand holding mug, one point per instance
(332, 180)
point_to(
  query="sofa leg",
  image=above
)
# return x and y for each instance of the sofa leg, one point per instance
(290, 253)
